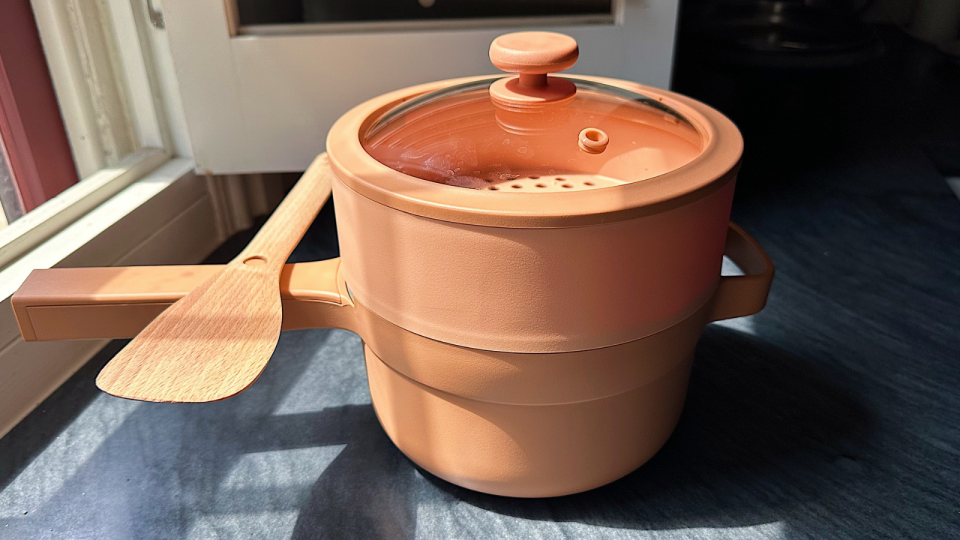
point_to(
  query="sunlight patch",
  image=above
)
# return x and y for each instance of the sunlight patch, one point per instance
(448, 520)
(335, 375)
(65, 456)
(742, 324)
(240, 526)
(281, 480)
(280, 468)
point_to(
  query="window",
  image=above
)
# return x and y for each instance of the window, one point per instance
(35, 160)
(11, 207)
(78, 121)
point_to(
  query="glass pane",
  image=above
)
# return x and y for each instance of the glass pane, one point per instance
(9, 198)
(256, 12)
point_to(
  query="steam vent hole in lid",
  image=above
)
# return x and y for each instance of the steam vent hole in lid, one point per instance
(600, 135)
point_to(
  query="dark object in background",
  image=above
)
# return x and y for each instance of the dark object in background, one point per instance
(784, 34)
(255, 12)
(788, 73)
(801, 119)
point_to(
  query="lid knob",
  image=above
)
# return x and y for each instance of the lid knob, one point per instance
(532, 55)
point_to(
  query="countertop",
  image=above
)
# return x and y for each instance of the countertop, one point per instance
(834, 413)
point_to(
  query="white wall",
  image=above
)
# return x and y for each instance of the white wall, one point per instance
(172, 104)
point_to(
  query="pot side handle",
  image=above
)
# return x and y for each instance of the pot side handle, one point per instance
(119, 302)
(739, 296)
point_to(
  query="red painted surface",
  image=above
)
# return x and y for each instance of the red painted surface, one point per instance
(30, 123)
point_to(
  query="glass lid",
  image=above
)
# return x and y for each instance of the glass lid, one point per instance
(534, 132)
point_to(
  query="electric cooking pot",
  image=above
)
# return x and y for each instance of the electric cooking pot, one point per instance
(530, 261)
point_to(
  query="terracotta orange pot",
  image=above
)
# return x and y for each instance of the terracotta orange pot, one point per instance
(540, 424)
(529, 260)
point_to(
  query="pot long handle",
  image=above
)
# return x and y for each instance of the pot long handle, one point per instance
(739, 296)
(98, 303)
(118, 302)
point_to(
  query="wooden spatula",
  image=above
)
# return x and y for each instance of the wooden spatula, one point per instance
(214, 342)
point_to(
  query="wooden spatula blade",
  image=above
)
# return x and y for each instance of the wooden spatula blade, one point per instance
(215, 342)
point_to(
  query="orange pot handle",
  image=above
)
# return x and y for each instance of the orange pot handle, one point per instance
(739, 296)
(92, 303)
(98, 303)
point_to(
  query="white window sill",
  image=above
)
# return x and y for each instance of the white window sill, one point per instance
(40, 224)
(165, 217)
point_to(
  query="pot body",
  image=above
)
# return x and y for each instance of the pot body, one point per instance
(528, 424)
(533, 273)
(527, 450)
(533, 289)
(533, 345)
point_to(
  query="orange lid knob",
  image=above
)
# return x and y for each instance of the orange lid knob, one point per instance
(532, 55)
